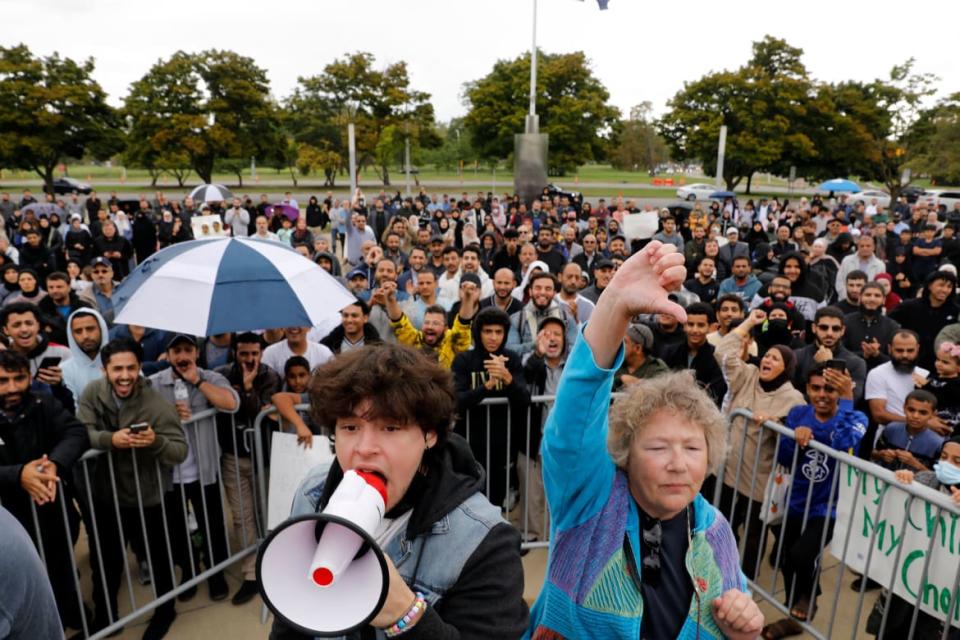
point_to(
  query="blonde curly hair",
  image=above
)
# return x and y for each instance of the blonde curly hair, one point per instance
(676, 392)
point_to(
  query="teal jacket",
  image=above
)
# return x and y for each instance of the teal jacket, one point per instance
(589, 592)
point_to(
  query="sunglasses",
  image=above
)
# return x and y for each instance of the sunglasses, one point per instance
(831, 328)
(653, 540)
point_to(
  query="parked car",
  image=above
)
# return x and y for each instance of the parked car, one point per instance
(911, 193)
(69, 185)
(696, 191)
(942, 200)
(866, 197)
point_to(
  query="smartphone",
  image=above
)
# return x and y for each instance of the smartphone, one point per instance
(838, 365)
(50, 361)
(139, 427)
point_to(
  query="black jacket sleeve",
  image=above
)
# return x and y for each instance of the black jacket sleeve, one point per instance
(69, 434)
(467, 396)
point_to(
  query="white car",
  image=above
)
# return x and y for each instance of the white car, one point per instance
(698, 191)
(940, 199)
(867, 197)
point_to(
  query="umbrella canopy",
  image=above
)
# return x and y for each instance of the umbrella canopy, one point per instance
(43, 209)
(285, 209)
(839, 184)
(211, 193)
(720, 195)
(206, 287)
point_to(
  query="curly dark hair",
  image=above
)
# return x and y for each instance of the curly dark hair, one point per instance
(401, 383)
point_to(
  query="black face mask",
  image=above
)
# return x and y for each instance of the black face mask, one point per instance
(772, 332)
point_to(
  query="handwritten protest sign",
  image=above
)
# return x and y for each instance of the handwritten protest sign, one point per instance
(907, 530)
(208, 227)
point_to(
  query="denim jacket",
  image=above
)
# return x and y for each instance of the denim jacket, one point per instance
(431, 563)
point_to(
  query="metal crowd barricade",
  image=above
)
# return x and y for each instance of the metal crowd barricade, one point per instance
(102, 517)
(515, 479)
(844, 617)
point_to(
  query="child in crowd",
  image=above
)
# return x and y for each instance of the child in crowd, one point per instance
(296, 375)
(945, 385)
(911, 444)
(944, 477)
(285, 233)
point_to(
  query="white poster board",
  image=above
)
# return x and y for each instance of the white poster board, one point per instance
(640, 226)
(289, 465)
(900, 552)
(208, 227)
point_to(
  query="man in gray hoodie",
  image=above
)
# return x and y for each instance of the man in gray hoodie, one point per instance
(87, 333)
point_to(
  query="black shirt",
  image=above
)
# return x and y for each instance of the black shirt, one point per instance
(707, 292)
(666, 599)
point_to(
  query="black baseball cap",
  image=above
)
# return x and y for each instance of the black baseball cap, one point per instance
(180, 337)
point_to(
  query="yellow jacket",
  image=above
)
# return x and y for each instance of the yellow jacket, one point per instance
(454, 340)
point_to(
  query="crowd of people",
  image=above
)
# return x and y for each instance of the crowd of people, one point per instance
(838, 320)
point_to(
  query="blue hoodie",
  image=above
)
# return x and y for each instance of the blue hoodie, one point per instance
(842, 432)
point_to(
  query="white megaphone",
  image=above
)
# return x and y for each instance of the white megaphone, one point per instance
(324, 574)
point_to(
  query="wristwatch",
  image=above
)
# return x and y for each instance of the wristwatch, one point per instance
(200, 379)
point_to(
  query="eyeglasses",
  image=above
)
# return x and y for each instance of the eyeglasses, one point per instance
(652, 539)
(831, 328)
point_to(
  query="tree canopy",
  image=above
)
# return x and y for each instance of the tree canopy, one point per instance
(380, 102)
(52, 110)
(571, 102)
(202, 108)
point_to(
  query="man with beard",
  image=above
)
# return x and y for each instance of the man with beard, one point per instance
(41, 443)
(254, 383)
(828, 330)
(929, 314)
(434, 338)
(703, 284)
(504, 282)
(569, 296)
(195, 480)
(778, 291)
(354, 330)
(603, 270)
(21, 322)
(638, 359)
(469, 263)
(545, 250)
(57, 306)
(868, 331)
(88, 334)
(889, 383)
(696, 353)
(741, 281)
(490, 370)
(850, 301)
(524, 323)
(133, 484)
(541, 371)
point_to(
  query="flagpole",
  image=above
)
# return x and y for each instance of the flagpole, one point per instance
(532, 125)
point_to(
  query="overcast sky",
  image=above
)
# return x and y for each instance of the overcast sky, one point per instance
(640, 50)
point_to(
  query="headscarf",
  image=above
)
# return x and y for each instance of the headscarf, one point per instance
(789, 366)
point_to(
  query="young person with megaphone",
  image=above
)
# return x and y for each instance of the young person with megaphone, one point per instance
(436, 559)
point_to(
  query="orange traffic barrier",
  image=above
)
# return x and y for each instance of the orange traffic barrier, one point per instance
(668, 182)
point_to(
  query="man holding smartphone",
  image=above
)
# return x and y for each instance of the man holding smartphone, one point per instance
(22, 327)
(141, 433)
(828, 329)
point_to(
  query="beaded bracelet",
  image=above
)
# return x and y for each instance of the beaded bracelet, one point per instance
(419, 606)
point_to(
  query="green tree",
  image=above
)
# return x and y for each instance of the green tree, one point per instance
(378, 102)
(762, 104)
(571, 102)
(211, 106)
(638, 145)
(934, 142)
(52, 110)
(454, 147)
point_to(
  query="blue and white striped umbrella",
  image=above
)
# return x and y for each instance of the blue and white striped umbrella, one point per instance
(211, 193)
(206, 287)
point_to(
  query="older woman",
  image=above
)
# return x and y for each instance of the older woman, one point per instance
(454, 562)
(765, 390)
(636, 552)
